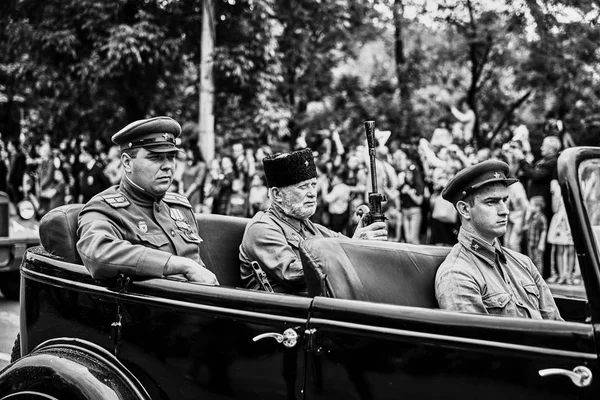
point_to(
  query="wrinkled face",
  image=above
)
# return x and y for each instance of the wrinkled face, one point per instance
(300, 200)
(489, 213)
(153, 172)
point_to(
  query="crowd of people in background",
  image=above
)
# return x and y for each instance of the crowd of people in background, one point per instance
(411, 176)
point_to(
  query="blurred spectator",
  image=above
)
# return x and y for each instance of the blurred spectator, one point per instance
(57, 191)
(223, 186)
(444, 217)
(537, 230)
(517, 201)
(91, 177)
(466, 116)
(4, 167)
(17, 168)
(192, 178)
(258, 196)
(441, 136)
(411, 200)
(114, 168)
(562, 261)
(237, 205)
(338, 200)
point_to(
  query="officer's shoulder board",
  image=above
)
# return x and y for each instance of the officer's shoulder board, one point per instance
(174, 198)
(116, 200)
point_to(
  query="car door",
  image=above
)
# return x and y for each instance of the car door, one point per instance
(191, 341)
(361, 350)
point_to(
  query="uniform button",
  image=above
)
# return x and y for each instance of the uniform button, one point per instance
(172, 233)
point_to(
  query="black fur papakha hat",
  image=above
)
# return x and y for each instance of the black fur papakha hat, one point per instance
(474, 177)
(286, 169)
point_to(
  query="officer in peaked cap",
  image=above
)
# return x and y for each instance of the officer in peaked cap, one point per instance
(157, 135)
(479, 275)
(272, 238)
(138, 228)
(476, 176)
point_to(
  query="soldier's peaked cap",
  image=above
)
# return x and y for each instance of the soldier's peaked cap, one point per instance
(157, 134)
(475, 177)
(286, 169)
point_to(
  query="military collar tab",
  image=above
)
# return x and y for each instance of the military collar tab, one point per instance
(477, 245)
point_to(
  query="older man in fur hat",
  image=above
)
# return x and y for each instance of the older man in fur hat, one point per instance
(272, 238)
(479, 275)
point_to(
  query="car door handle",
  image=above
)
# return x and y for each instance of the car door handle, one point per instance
(289, 338)
(581, 376)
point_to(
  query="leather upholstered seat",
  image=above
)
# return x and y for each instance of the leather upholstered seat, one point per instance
(58, 232)
(385, 272)
(219, 250)
(221, 238)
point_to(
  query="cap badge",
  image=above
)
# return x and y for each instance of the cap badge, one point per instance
(497, 175)
(166, 136)
(143, 227)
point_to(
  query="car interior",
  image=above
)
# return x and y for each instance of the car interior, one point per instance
(334, 267)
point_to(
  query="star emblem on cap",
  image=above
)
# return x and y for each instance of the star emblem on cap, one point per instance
(497, 175)
(166, 136)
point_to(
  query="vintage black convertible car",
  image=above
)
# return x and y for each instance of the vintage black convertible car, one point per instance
(18, 232)
(369, 329)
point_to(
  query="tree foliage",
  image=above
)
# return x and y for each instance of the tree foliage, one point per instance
(284, 67)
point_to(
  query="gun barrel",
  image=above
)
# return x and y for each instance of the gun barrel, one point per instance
(370, 131)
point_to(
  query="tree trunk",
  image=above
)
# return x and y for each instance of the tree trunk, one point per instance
(206, 121)
(402, 71)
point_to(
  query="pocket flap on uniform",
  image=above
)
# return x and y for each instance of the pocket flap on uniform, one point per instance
(532, 288)
(294, 240)
(156, 241)
(191, 237)
(496, 300)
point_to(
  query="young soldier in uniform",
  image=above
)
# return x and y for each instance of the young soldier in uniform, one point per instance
(479, 275)
(138, 228)
(272, 238)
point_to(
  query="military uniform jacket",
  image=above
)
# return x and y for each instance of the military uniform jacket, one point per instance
(273, 240)
(125, 230)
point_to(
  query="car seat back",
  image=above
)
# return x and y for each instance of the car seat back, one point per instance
(221, 238)
(58, 232)
(385, 272)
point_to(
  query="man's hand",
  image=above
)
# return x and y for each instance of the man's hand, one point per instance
(375, 231)
(192, 271)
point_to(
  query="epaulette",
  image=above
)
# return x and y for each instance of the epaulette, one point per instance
(116, 200)
(174, 198)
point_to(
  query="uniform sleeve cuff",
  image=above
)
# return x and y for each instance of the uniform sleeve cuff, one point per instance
(152, 263)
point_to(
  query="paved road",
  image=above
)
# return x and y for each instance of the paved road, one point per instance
(9, 327)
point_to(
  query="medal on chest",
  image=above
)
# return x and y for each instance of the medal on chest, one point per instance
(143, 227)
(179, 218)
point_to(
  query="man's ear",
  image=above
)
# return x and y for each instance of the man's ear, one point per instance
(276, 194)
(126, 162)
(463, 208)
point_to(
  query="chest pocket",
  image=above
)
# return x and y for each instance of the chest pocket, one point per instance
(294, 240)
(154, 241)
(533, 293)
(496, 303)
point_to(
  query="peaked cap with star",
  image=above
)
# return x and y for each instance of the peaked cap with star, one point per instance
(475, 177)
(154, 134)
(286, 169)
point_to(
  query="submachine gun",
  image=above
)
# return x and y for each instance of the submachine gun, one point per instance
(375, 198)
